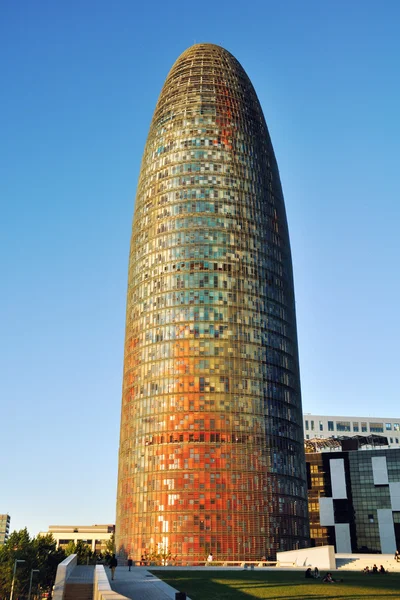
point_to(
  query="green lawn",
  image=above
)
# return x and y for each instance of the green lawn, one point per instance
(212, 584)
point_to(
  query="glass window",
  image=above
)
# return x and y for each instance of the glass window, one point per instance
(321, 426)
(396, 426)
(306, 425)
(364, 427)
(376, 427)
(388, 426)
(343, 426)
(355, 427)
(330, 426)
(312, 425)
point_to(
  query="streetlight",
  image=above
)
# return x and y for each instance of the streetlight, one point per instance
(16, 561)
(30, 583)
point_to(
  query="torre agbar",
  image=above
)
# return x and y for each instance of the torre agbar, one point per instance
(211, 452)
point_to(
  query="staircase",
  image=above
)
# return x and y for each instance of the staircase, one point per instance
(358, 562)
(78, 591)
(79, 585)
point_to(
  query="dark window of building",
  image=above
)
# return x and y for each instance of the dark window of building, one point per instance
(356, 427)
(307, 425)
(330, 426)
(376, 427)
(343, 426)
(364, 427)
(321, 426)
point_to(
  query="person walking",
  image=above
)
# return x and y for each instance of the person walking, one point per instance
(129, 564)
(113, 565)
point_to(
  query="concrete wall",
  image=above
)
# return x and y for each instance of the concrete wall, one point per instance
(64, 570)
(322, 557)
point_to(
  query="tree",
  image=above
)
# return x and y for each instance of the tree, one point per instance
(70, 548)
(37, 553)
(84, 552)
(110, 547)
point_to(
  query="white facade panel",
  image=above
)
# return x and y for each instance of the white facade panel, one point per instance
(338, 479)
(394, 489)
(386, 531)
(326, 514)
(342, 534)
(379, 470)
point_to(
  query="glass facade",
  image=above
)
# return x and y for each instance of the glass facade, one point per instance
(211, 447)
(364, 498)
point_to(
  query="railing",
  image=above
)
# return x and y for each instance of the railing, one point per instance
(64, 570)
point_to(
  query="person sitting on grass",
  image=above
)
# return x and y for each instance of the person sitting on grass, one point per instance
(316, 573)
(366, 570)
(308, 574)
(374, 569)
(382, 569)
(328, 578)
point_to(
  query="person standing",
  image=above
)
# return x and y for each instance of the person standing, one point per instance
(113, 565)
(129, 564)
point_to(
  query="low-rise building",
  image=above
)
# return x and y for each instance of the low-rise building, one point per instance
(354, 494)
(321, 426)
(4, 528)
(95, 536)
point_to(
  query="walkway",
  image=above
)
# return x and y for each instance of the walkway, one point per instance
(139, 584)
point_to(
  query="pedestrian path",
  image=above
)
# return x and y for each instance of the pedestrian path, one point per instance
(139, 584)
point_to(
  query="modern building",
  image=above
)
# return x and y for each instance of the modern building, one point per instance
(95, 536)
(4, 528)
(354, 495)
(211, 449)
(320, 426)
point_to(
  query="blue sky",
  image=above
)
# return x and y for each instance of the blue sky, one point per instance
(79, 82)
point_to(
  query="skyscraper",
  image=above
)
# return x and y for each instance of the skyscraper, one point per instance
(211, 449)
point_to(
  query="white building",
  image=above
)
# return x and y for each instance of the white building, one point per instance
(95, 536)
(321, 426)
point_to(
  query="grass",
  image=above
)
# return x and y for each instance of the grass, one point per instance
(212, 584)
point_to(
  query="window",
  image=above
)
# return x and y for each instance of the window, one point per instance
(364, 427)
(388, 426)
(330, 426)
(391, 440)
(376, 427)
(306, 426)
(312, 425)
(396, 426)
(355, 427)
(343, 426)
(321, 426)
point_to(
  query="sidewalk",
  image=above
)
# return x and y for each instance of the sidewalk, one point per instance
(139, 584)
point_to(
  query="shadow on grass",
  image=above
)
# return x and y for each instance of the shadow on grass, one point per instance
(282, 585)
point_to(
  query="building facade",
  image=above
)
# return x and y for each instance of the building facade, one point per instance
(354, 499)
(211, 448)
(321, 426)
(4, 528)
(95, 536)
